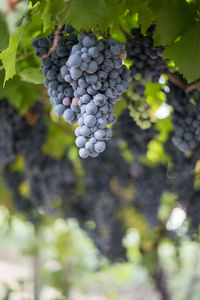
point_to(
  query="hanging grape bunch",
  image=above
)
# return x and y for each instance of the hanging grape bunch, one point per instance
(98, 77)
(185, 118)
(146, 57)
(59, 91)
(148, 65)
(90, 80)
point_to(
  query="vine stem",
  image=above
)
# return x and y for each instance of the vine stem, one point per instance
(56, 37)
(127, 34)
(192, 86)
(55, 42)
(176, 80)
(161, 282)
(159, 274)
(187, 88)
(36, 269)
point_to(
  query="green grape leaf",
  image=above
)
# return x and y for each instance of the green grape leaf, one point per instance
(145, 16)
(8, 56)
(171, 20)
(32, 75)
(186, 53)
(93, 13)
(47, 15)
(21, 94)
(4, 34)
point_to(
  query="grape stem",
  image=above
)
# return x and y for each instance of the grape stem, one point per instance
(36, 268)
(159, 274)
(161, 282)
(56, 37)
(55, 42)
(127, 34)
(176, 80)
(187, 88)
(192, 86)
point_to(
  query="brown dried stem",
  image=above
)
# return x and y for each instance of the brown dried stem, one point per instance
(176, 80)
(55, 42)
(127, 34)
(192, 86)
(56, 37)
(187, 88)
(161, 282)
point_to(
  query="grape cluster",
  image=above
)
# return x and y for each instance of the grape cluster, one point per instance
(60, 92)
(47, 180)
(104, 196)
(7, 153)
(181, 172)
(193, 212)
(30, 134)
(147, 59)
(185, 118)
(107, 194)
(138, 106)
(182, 176)
(126, 130)
(13, 180)
(148, 65)
(25, 135)
(102, 201)
(85, 78)
(98, 77)
(150, 183)
(47, 177)
(50, 178)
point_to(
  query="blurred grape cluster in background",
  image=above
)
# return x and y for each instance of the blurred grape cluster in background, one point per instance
(105, 228)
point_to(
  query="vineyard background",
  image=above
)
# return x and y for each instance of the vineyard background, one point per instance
(125, 224)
